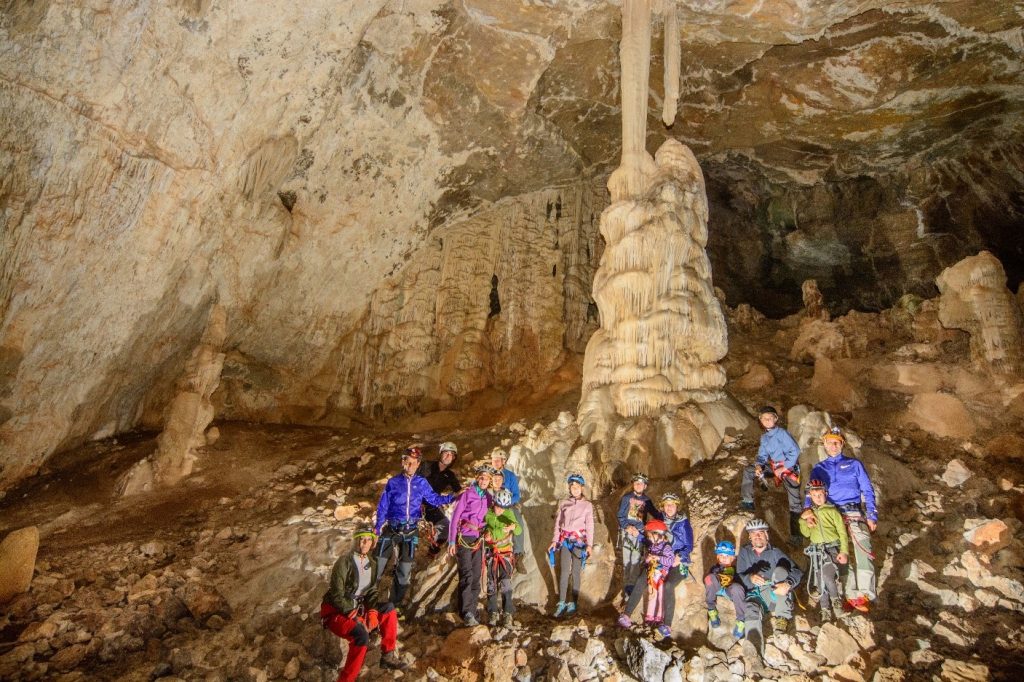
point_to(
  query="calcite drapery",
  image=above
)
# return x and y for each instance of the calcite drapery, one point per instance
(662, 329)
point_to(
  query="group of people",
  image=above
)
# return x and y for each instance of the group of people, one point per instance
(485, 535)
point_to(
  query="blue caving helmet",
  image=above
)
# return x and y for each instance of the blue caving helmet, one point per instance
(576, 478)
(725, 547)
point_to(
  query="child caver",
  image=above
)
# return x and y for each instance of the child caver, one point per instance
(574, 533)
(634, 508)
(822, 524)
(721, 581)
(500, 526)
(660, 561)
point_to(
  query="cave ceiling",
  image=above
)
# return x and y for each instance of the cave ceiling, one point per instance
(308, 168)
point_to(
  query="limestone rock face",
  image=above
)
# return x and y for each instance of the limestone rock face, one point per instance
(300, 169)
(975, 299)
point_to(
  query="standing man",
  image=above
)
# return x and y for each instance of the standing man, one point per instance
(350, 609)
(768, 576)
(850, 490)
(398, 517)
(779, 454)
(465, 541)
(443, 480)
(511, 484)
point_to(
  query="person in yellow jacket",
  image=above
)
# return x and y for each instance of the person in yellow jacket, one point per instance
(822, 524)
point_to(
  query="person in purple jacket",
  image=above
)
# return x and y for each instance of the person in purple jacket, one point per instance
(850, 490)
(398, 517)
(465, 541)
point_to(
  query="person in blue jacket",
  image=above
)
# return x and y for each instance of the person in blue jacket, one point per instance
(850, 490)
(634, 510)
(778, 456)
(398, 517)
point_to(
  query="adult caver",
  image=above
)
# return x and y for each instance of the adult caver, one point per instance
(350, 608)
(398, 517)
(850, 490)
(769, 577)
(443, 480)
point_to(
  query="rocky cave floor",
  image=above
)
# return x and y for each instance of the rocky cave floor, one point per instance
(221, 578)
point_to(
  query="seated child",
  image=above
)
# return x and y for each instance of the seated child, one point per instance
(721, 581)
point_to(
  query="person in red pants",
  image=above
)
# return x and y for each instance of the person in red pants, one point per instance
(350, 609)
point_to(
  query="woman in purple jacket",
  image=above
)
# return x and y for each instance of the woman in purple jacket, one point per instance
(465, 541)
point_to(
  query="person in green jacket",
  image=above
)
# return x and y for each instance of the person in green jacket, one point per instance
(350, 609)
(822, 524)
(500, 526)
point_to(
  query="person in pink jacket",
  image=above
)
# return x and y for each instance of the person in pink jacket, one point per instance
(573, 541)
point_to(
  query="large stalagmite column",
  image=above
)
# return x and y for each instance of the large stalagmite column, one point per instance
(653, 394)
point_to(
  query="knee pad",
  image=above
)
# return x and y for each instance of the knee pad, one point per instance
(360, 637)
(779, 574)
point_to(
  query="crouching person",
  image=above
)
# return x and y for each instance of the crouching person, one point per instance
(769, 577)
(350, 609)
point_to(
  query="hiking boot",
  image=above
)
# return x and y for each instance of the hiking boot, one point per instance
(493, 619)
(559, 609)
(713, 619)
(779, 624)
(508, 621)
(625, 622)
(664, 630)
(738, 629)
(471, 621)
(391, 660)
(570, 608)
(747, 505)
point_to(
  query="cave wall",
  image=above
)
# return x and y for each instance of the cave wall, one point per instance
(867, 240)
(310, 169)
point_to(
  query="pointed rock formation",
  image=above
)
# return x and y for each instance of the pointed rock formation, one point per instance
(189, 414)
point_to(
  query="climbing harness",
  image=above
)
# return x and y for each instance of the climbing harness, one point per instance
(781, 471)
(818, 555)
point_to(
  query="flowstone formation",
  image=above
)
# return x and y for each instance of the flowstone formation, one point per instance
(652, 386)
(975, 299)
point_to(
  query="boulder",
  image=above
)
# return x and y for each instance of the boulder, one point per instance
(987, 535)
(1005, 446)
(906, 377)
(756, 377)
(835, 644)
(941, 415)
(818, 338)
(644, 660)
(461, 645)
(203, 601)
(956, 474)
(832, 389)
(961, 671)
(17, 562)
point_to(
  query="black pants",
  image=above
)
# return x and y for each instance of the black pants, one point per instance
(470, 563)
(499, 582)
